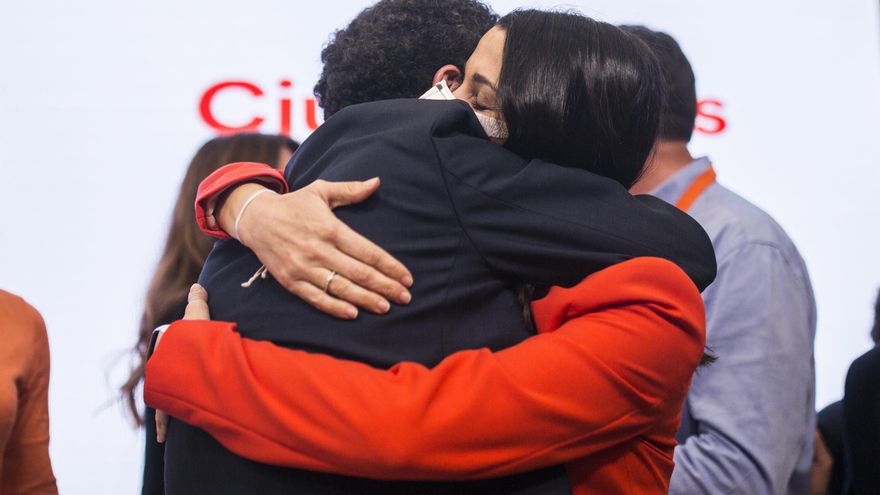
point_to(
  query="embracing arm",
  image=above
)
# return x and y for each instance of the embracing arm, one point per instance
(297, 236)
(550, 225)
(621, 359)
(531, 221)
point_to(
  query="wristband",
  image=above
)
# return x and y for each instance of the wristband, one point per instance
(247, 203)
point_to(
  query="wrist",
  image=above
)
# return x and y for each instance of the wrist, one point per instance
(230, 202)
(251, 214)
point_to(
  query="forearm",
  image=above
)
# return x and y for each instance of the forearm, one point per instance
(752, 410)
(752, 428)
(742, 451)
(550, 225)
(27, 468)
(590, 385)
(404, 434)
(713, 463)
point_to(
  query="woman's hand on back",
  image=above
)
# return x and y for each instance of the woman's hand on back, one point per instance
(312, 253)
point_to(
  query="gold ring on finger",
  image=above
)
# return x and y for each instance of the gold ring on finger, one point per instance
(328, 281)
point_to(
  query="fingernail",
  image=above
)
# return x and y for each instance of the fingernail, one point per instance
(407, 281)
(404, 297)
(383, 306)
(351, 313)
(372, 181)
(192, 293)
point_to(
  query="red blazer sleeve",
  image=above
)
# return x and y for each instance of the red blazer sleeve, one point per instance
(629, 341)
(225, 177)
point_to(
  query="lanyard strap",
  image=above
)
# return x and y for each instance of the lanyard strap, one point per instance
(697, 187)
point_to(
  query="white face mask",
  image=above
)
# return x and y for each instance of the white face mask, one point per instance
(495, 128)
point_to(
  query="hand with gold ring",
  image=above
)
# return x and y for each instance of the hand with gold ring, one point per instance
(297, 237)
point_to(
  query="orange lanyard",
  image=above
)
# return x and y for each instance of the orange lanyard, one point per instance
(697, 188)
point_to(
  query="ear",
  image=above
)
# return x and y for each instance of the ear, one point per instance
(449, 73)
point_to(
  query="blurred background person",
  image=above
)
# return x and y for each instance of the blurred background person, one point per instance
(748, 422)
(848, 431)
(179, 266)
(861, 420)
(25, 468)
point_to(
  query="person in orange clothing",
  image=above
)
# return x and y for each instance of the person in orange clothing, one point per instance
(25, 467)
(600, 389)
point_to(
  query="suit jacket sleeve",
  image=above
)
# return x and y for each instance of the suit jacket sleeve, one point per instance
(622, 357)
(535, 221)
(552, 225)
(747, 408)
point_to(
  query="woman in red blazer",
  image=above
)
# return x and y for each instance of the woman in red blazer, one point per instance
(600, 388)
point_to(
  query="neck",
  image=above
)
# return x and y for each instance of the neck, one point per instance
(668, 158)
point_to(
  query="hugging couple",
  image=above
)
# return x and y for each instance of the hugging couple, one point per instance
(490, 310)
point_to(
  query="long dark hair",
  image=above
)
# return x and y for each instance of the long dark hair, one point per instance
(580, 93)
(186, 247)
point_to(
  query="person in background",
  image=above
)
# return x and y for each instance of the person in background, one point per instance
(748, 421)
(847, 436)
(182, 258)
(25, 468)
(861, 420)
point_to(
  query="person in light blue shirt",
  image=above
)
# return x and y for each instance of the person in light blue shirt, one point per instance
(748, 421)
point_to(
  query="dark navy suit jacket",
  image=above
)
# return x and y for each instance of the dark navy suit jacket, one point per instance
(472, 221)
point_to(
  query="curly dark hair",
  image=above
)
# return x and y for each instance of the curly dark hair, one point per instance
(393, 49)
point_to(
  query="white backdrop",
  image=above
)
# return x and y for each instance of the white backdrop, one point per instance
(99, 115)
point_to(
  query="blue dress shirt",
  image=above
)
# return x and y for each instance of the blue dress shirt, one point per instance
(748, 421)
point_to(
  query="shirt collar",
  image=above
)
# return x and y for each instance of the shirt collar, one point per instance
(672, 188)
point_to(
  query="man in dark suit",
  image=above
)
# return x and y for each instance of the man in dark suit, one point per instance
(405, 33)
